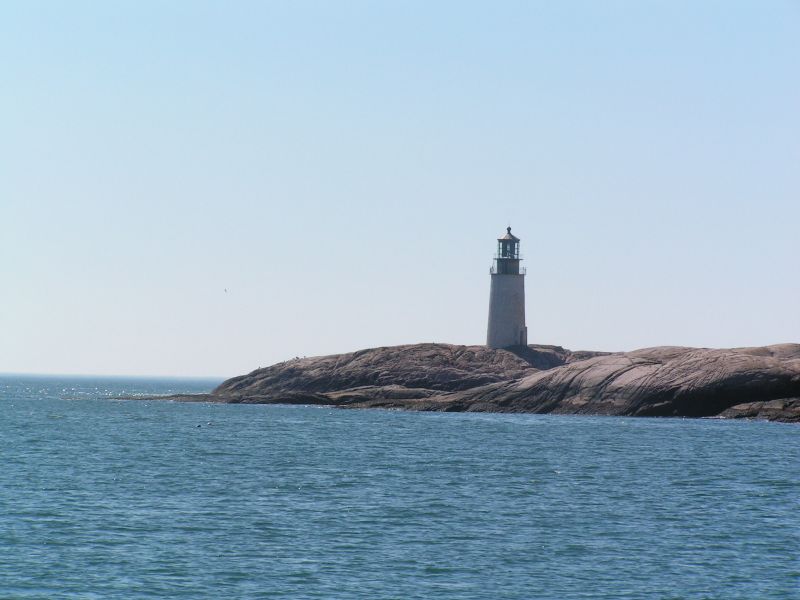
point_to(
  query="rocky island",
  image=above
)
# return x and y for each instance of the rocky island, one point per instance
(509, 375)
(668, 381)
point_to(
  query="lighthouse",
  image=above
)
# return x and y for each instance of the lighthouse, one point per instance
(507, 296)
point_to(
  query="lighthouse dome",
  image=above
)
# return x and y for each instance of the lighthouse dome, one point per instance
(508, 236)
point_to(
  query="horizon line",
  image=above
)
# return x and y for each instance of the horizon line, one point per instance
(113, 376)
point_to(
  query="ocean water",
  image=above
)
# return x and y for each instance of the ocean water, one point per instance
(103, 498)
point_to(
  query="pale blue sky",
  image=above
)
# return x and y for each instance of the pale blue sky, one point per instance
(343, 169)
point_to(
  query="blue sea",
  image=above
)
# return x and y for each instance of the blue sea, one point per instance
(104, 498)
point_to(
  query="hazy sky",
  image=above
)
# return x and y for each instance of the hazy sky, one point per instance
(344, 168)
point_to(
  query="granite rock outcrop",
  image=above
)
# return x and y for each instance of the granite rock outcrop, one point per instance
(414, 370)
(760, 382)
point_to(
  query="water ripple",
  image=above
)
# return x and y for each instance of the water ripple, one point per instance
(109, 499)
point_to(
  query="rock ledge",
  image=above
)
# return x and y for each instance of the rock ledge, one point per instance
(762, 382)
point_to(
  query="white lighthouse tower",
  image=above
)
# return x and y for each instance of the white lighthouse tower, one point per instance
(507, 296)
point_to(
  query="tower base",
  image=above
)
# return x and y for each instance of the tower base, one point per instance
(507, 311)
